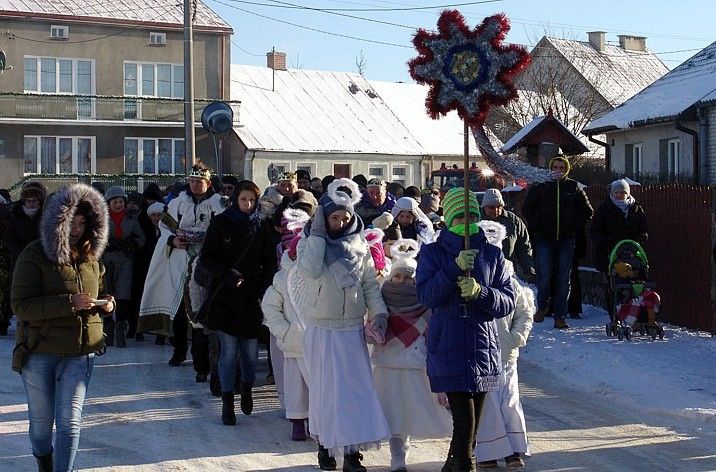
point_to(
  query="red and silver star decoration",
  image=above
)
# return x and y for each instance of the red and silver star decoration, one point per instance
(467, 70)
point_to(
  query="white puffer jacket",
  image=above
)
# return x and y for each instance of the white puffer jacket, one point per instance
(320, 300)
(514, 329)
(279, 313)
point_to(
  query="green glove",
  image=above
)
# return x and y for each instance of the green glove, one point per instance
(466, 259)
(469, 288)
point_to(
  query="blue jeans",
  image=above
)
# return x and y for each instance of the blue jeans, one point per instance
(230, 346)
(56, 387)
(553, 262)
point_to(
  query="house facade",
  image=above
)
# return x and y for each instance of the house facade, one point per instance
(578, 81)
(338, 123)
(669, 128)
(98, 88)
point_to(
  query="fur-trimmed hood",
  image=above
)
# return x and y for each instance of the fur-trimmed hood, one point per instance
(56, 223)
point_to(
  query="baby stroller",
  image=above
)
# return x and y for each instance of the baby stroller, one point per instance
(634, 304)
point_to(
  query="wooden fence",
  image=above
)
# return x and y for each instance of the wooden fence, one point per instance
(679, 247)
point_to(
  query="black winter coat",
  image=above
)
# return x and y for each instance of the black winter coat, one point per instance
(610, 226)
(236, 310)
(556, 209)
(21, 230)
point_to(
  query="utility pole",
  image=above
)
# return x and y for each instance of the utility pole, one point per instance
(189, 137)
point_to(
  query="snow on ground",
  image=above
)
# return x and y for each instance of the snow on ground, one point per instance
(674, 377)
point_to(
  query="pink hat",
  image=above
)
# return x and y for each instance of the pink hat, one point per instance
(374, 236)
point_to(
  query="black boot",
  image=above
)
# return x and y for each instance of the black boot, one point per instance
(214, 385)
(108, 325)
(461, 464)
(120, 335)
(247, 401)
(44, 463)
(325, 461)
(351, 463)
(228, 416)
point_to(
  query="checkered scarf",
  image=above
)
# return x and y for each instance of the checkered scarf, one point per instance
(406, 322)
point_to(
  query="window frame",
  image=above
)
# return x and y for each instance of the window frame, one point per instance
(162, 39)
(140, 154)
(312, 167)
(64, 28)
(75, 157)
(637, 161)
(75, 61)
(139, 79)
(408, 173)
(673, 158)
(374, 165)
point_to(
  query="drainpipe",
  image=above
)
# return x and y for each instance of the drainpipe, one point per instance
(695, 149)
(607, 152)
(703, 146)
(249, 165)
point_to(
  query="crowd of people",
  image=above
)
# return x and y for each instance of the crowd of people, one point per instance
(379, 323)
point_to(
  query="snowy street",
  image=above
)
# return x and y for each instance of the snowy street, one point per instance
(592, 403)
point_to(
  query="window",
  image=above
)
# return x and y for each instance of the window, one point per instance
(636, 159)
(59, 154)
(674, 153)
(342, 171)
(59, 33)
(150, 80)
(62, 76)
(3, 154)
(153, 155)
(401, 174)
(157, 39)
(377, 171)
(309, 167)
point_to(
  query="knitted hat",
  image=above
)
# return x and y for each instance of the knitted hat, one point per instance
(620, 184)
(562, 158)
(403, 254)
(360, 180)
(342, 194)
(304, 200)
(303, 174)
(453, 205)
(492, 198)
(154, 208)
(33, 190)
(375, 236)
(115, 192)
(152, 192)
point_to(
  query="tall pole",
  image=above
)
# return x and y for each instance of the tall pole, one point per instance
(189, 137)
(466, 179)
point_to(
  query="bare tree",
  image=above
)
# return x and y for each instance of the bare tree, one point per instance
(361, 63)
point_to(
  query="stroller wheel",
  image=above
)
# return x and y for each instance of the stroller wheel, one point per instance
(620, 333)
(627, 333)
(661, 332)
(609, 330)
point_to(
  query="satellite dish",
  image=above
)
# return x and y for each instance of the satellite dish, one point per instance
(272, 173)
(217, 118)
(3, 62)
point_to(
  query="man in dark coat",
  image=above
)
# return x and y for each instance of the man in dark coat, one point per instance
(554, 211)
(376, 201)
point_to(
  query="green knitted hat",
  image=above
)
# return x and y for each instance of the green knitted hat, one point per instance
(453, 205)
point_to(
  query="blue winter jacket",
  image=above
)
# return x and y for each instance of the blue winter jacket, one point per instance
(463, 351)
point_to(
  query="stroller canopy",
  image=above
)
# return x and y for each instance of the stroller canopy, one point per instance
(635, 250)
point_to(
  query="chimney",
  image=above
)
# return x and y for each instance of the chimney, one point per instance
(276, 60)
(632, 43)
(598, 40)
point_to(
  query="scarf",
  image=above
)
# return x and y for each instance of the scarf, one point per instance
(387, 205)
(625, 204)
(117, 218)
(344, 252)
(460, 229)
(237, 216)
(405, 321)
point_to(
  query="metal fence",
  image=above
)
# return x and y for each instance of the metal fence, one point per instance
(130, 182)
(679, 247)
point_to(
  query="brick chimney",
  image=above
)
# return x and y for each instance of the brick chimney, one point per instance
(598, 40)
(276, 60)
(632, 43)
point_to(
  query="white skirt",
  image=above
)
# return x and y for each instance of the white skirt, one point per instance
(344, 409)
(277, 365)
(502, 430)
(295, 376)
(409, 405)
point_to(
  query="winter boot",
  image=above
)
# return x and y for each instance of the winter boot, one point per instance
(487, 465)
(44, 463)
(214, 384)
(120, 336)
(108, 326)
(228, 416)
(351, 462)
(298, 432)
(399, 447)
(177, 359)
(247, 401)
(325, 461)
(560, 323)
(462, 464)
(541, 313)
(514, 461)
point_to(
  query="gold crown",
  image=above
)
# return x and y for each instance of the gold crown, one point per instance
(286, 176)
(200, 173)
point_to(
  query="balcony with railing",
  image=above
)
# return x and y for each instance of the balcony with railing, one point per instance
(97, 108)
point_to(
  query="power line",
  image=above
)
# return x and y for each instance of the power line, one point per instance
(364, 10)
(310, 28)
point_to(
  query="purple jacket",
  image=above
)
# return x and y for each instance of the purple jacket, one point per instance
(463, 351)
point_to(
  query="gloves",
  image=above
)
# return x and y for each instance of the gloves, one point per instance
(318, 223)
(466, 259)
(375, 329)
(383, 221)
(469, 288)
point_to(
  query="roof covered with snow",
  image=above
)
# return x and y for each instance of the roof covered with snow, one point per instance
(691, 83)
(338, 112)
(545, 128)
(151, 12)
(617, 74)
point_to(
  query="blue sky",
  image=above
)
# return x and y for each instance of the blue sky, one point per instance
(674, 30)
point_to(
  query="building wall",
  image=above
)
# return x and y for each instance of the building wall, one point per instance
(649, 136)
(711, 143)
